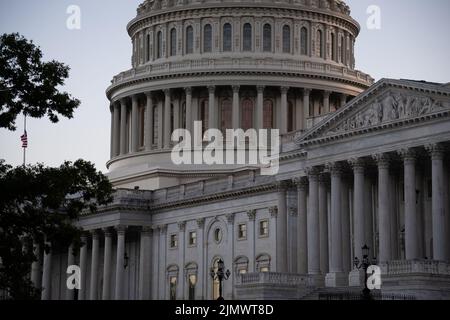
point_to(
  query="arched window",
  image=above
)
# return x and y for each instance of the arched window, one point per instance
(304, 41)
(247, 114)
(319, 43)
(155, 125)
(248, 37)
(204, 114)
(268, 114)
(343, 50)
(333, 47)
(227, 37)
(207, 38)
(267, 38)
(291, 117)
(159, 51)
(286, 39)
(173, 42)
(189, 40)
(227, 115)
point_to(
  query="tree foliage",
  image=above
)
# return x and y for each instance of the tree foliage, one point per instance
(30, 86)
(37, 202)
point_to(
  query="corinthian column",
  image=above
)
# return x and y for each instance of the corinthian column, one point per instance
(260, 107)
(167, 126)
(123, 127)
(236, 107)
(323, 222)
(120, 262)
(149, 122)
(302, 230)
(47, 273)
(282, 262)
(36, 271)
(134, 124)
(116, 130)
(212, 108)
(284, 110)
(411, 226)
(326, 101)
(306, 115)
(336, 277)
(384, 208)
(189, 120)
(82, 294)
(313, 223)
(439, 218)
(107, 262)
(144, 264)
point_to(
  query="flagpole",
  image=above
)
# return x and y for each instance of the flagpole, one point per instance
(25, 149)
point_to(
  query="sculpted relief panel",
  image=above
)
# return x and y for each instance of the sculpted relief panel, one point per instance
(394, 107)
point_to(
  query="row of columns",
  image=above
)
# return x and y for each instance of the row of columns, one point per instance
(119, 126)
(314, 231)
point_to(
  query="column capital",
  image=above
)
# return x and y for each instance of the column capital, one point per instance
(134, 98)
(273, 211)
(162, 228)
(251, 215)
(284, 90)
(149, 95)
(201, 222)
(260, 88)
(230, 218)
(293, 212)
(306, 91)
(123, 101)
(121, 230)
(236, 88)
(146, 231)
(167, 92)
(188, 90)
(95, 234)
(182, 226)
(383, 160)
(336, 169)
(313, 173)
(300, 182)
(108, 232)
(326, 93)
(408, 155)
(212, 89)
(358, 164)
(324, 179)
(436, 151)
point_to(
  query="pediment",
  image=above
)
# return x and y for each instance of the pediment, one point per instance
(387, 104)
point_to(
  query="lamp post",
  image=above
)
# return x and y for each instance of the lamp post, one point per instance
(220, 275)
(364, 264)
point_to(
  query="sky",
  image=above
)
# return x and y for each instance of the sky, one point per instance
(412, 42)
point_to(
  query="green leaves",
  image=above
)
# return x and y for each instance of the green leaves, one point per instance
(28, 85)
(37, 202)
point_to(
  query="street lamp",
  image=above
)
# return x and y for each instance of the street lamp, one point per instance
(220, 275)
(364, 264)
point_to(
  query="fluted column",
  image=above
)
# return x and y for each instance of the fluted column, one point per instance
(145, 264)
(281, 237)
(134, 124)
(336, 276)
(107, 263)
(306, 115)
(236, 109)
(260, 107)
(326, 102)
(212, 108)
(82, 294)
(47, 273)
(439, 218)
(323, 223)
(149, 122)
(313, 224)
(36, 271)
(189, 120)
(284, 110)
(384, 208)
(167, 125)
(94, 265)
(411, 225)
(358, 206)
(116, 130)
(120, 262)
(70, 294)
(302, 240)
(123, 127)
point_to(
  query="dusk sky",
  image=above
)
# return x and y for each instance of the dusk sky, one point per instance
(413, 43)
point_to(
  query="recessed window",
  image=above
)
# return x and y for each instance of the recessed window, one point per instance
(227, 37)
(248, 37)
(207, 38)
(173, 42)
(242, 231)
(193, 238)
(264, 228)
(218, 235)
(173, 241)
(189, 40)
(286, 39)
(304, 41)
(267, 36)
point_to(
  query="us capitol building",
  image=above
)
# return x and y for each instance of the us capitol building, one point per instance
(361, 163)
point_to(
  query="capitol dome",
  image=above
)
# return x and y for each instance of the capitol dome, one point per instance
(282, 64)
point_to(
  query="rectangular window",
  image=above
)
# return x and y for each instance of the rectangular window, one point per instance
(242, 231)
(264, 228)
(173, 241)
(192, 238)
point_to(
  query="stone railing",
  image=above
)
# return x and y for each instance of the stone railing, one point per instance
(272, 278)
(401, 267)
(228, 64)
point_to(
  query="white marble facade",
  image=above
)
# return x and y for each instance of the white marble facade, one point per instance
(361, 163)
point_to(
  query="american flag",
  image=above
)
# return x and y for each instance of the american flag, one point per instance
(24, 139)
